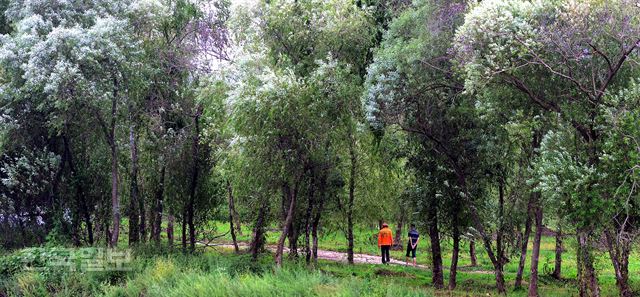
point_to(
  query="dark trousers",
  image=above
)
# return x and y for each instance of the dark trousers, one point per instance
(385, 253)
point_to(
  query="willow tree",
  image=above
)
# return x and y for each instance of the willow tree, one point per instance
(72, 57)
(412, 85)
(587, 50)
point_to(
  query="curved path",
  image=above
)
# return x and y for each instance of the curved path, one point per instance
(342, 257)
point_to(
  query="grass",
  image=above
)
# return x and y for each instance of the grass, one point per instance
(219, 272)
(477, 284)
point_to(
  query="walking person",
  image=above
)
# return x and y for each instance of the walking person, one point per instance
(412, 244)
(385, 240)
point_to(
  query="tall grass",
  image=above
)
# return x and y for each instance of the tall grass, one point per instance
(162, 273)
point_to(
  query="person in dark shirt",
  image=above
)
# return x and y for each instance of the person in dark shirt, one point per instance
(412, 244)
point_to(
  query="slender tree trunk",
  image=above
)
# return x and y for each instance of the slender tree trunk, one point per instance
(557, 270)
(287, 225)
(231, 210)
(316, 222)
(80, 196)
(194, 179)
(293, 236)
(486, 239)
(143, 219)
(453, 271)
(436, 253)
(500, 234)
(535, 252)
(525, 242)
(183, 230)
(472, 253)
(134, 228)
(115, 200)
(170, 222)
(257, 242)
(587, 276)
(397, 242)
(308, 222)
(619, 251)
(157, 213)
(352, 187)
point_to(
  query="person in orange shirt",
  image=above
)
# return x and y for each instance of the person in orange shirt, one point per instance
(385, 241)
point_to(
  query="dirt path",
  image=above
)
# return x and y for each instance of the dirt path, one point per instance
(342, 257)
(330, 255)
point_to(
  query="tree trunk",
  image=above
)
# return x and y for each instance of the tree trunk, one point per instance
(287, 224)
(156, 226)
(293, 236)
(115, 199)
(143, 218)
(486, 239)
(436, 253)
(535, 252)
(619, 251)
(80, 196)
(194, 179)
(472, 253)
(257, 242)
(453, 271)
(308, 221)
(525, 242)
(500, 234)
(231, 210)
(183, 230)
(316, 222)
(134, 228)
(170, 238)
(587, 279)
(397, 242)
(352, 187)
(557, 270)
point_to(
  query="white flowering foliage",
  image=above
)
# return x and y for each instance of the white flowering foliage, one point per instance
(64, 53)
(496, 37)
(27, 175)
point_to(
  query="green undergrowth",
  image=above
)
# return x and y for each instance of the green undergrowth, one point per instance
(214, 273)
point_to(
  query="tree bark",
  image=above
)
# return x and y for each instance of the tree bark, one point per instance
(170, 222)
(308, 221)
(453, 271)
(472, 253)
(535, 252)
(287, 224)
(231, 210)
(557, 270)
(525, 242)
(587, 279)
(110, 136)
(134, 227)
(80, 196)
(619, 251)
(486, 239)
(194, 179)
(397, 242)
(257, 242)
(293, 236)
(316, 222)
(352, 186)
(156, 226)
(436, 254)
